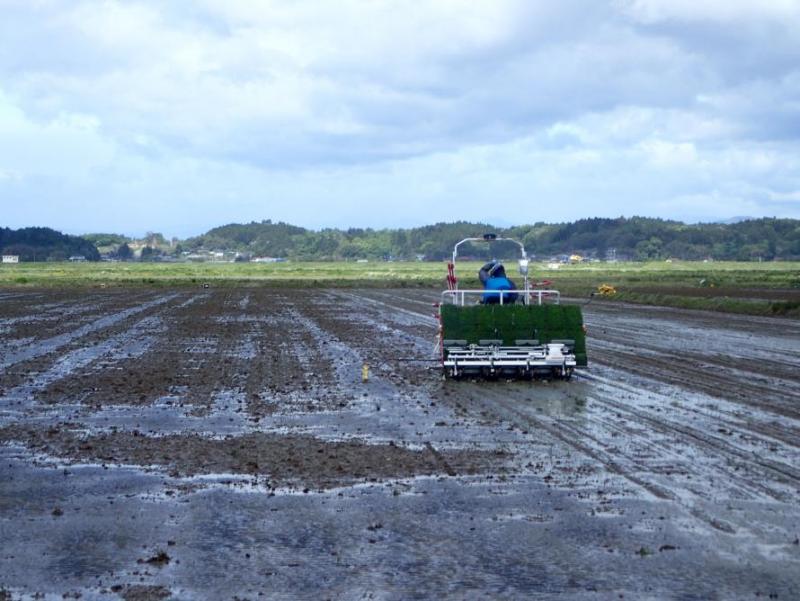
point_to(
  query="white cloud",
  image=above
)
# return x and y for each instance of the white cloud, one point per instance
(311, 111)
(669, 154)
(69, 145)
(349, 82)
(724, 11)
(792, 197)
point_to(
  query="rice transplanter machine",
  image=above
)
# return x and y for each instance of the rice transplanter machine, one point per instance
(525, 333)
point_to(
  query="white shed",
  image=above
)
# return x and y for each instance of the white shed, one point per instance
(10, 258)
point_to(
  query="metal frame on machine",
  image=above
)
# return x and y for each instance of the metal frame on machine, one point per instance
(522, 360)
(527, 294)
(529, 297)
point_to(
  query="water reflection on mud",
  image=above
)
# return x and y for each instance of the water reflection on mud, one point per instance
(554, 399)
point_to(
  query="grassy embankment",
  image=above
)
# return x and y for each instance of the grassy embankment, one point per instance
(752, 288)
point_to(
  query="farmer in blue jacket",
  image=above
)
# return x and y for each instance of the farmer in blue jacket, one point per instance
(495, 282)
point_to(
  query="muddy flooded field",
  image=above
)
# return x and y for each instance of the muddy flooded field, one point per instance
(221, 444)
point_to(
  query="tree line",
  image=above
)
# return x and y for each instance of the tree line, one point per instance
(45, 244)
(635, 238)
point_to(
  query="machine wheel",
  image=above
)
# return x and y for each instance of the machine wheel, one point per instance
(447, 374)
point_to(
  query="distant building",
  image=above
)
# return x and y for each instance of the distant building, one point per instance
(10, 258)
(77, 258)
(269, 260)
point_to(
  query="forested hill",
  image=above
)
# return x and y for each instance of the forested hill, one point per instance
(634, 238)
(625, 238)
(44, 244)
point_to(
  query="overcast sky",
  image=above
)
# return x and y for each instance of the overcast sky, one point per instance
(178, 116)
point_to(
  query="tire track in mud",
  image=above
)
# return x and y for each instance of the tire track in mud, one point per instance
(704, 351)
(45, 358)
(232, 351)
(711, 381)
(497, 402)
(392, 302)
(98, 377)
(402, 299)
(405, 363)
(68, 376)
(17, 305)
(130, 343)
(333, 335)
(390, 320)
(775, 353)
(765, 365)
(704, 477)
(722, 464)
(785, 472)
(716, 410)
(754, 324)
(737, 387)
(35, 321)
(190, 362)
(290, 370)
(55, 343)
(613, 461)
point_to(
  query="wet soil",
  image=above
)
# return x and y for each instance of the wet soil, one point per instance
(775, 294)
(284, 460)
(223, 444)
(141, 592)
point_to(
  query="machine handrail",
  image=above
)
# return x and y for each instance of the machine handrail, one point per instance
(452, 281)
(517, 242)
(529, 297)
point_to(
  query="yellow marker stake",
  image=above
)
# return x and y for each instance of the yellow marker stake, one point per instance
(364, 372)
